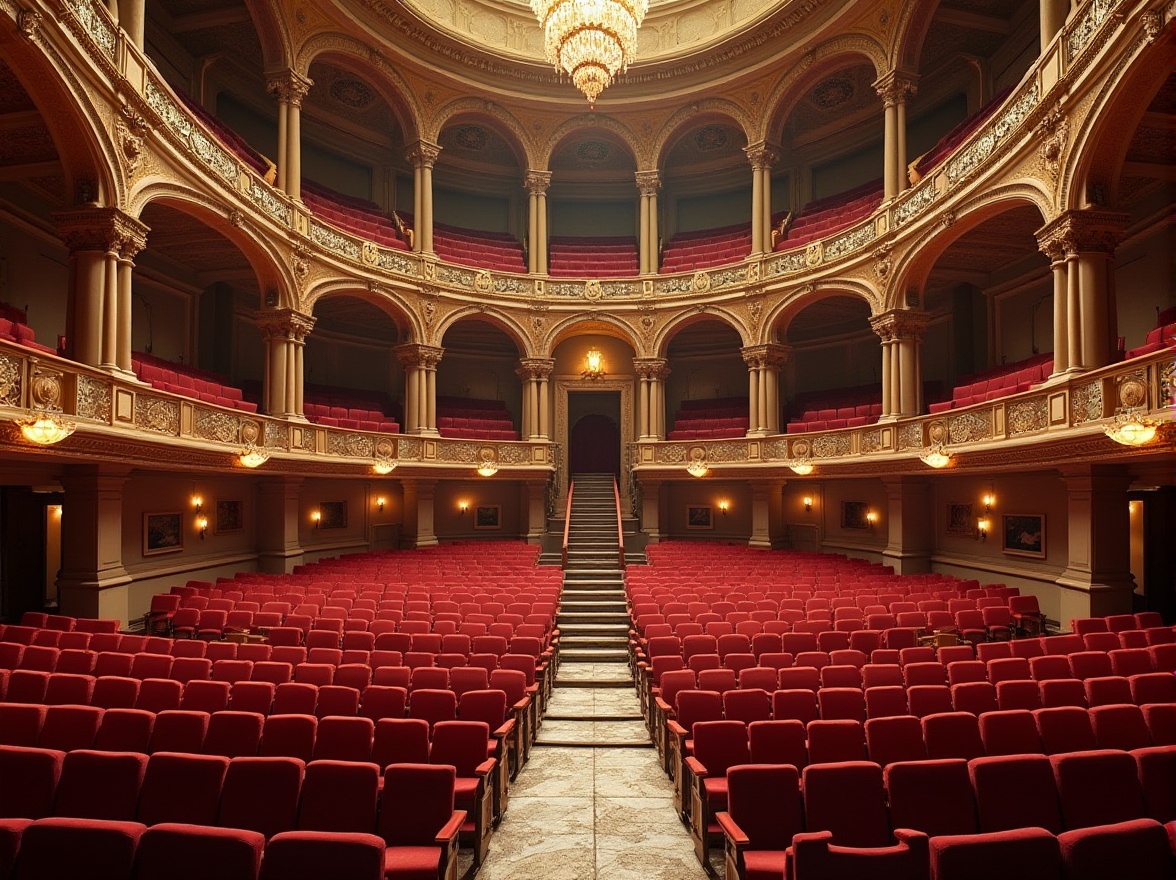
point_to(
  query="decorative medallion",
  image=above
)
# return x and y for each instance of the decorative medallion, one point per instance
(470, 137)
(593, 152)
(711, 138)
(832, 92)
(352, 93)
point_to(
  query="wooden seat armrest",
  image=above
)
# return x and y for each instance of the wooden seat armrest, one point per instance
(734, 834)
(522, 705)
(485, 767)
(505, 730)
(663, 706)
(676, 729)
(450, 829)
(696, 767)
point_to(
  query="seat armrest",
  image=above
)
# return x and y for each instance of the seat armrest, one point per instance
(505, 730)
(522, 705)
(485, 767)
(676, 729)
(696, 767)
(732, 831)
(663, 706)
(450, 829)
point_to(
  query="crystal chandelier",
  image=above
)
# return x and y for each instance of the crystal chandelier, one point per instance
(45, 429)
(1132, 427)
(592, 40)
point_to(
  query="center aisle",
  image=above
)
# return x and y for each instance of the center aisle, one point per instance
(592, 803)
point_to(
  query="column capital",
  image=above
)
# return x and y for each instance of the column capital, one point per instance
(101, 229)
(423, 154)
(414, 354)
(762, 154)
(537, 182)
(648, 182)
(1073, 232)
(899, 324)
(288, 85)
(285, 324)
(772, 354)
(651, 368)
(896, 87)
(535, 368)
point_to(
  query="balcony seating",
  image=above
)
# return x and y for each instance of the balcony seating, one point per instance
(821, 218)
(1158, 338)
(834, 408)
(496, 251)
(702, 249)
(473, 418)
(921, 166)
(230, 139)
(351, 408)
(710, 418)
(997, 382)
(360, 217)
(189, 382)
(14, 328)
(593, 257)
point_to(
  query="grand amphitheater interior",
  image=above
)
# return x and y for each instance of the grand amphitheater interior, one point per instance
(849, 238)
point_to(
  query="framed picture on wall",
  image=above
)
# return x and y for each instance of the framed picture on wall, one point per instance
(699, 517)
(162, 533)
(334, 515)
(855, 515)
(488, 516)
(1023, 534)
(229, 516)
(960, 520)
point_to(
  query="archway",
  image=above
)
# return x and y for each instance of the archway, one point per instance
(595, 439)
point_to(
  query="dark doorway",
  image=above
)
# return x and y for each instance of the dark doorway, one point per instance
(594, 440)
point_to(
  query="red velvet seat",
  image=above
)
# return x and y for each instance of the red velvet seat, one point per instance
(1097, 788)
(464, 746)
(30, 776)
(893, 739)
(418, 822)
(100, 785)
(261, 794)
(339, 796)
(172, 851)
(307, 855)
(934, 797)
(848, 800)
(1016, 791)
(835, 741)
(1017, 854)
(1011, 732)
(60, 848)
(763, 813)
(181, 788)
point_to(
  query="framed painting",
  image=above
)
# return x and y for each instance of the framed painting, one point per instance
(229, 516)
(1023, 534)
(855, 515)
(960, 520)
(334, 515)
(488, 516)
(699, 517)
(162, 533)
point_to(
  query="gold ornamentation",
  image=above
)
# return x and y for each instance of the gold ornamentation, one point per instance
(1132, 391)
(701, 282)
(250, 431)
(1086, 403)
(1053, 132)
(212, 425)
(970, 427)
(832, 445)
(94, 399)
(1026, 416)
(591, 41)
(10, 381)
(483, 282)
(812, 255)
(157, 414)
(593, 290)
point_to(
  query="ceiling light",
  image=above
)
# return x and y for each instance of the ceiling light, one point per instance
(488, 468)
(45, 428)
(936, 456)
(384, 466)
(1132, 427)
(591, 40)
(253, 457)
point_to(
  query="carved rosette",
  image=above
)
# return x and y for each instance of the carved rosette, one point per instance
(898, 324)
(1026, 416)
(44, 387)
(1132, 390)
(94, 399)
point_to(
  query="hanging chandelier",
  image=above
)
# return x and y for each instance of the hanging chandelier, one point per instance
(591, 40)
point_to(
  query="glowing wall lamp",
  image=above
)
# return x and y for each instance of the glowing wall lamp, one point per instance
(594, 362)
(989, 501)
(808, 503)
(872, 519)
(202, 525)
(724, 506)
(316, 517)
(380, 503)
(982, 529)
(45, 428)
(464, 507)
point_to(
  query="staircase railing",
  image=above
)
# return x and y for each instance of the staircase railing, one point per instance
(620, 530)
(567, 523)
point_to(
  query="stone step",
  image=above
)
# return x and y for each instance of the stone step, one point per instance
(572, 654)
(610, 683)
(578, 616)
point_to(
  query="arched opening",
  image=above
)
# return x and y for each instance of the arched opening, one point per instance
(706, 390)
(479, 394)
(594, 442)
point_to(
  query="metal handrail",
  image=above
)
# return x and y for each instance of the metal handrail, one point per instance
(567, 523)
(620, 531)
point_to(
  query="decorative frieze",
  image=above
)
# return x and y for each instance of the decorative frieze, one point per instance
(1086, 25)
(916, 202)
(832, 445)
(211, 424)
(10, 380)
(277, 436)
(1027, 416)
(94, 399)
(970, 426)
(95, 24)
(848, 242)
(157, 414)
(328, 238)
(268, 200)
(349, 445)
(993, 135)
(1086, 403)
(910, 436)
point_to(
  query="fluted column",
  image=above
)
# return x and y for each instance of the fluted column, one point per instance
(651, 397)
(895, 88)
(1081, 246)
(420, 386)
(763, 386)
(901, 332)
(537, 184)
(535, 372)
(102, 243)
(423, 155)
(648, 183)
(761, 156)
(289, 87)
(284, 332)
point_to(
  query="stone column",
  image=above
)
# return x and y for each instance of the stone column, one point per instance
(418, 513)
(537, 185)
(289, 87)
(1053, 17)
(765, 509)
(648, 184)
(1097, 580)
(420, 388)
(763, 386)
(901, 332)
(895, 88)
(535, 372)
(284, 332)
(910, 525)
(762, 156)
(423, 155)
(278, 519)
(651, 510)
(93, 581)
(651, 400)
(536, 511)
(132, 17)
(1087, 239)
(102, 243)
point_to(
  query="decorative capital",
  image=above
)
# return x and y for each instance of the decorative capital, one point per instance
(1076, 232)
(536, 368)
(537, 182)
(651, 368)
(285, 324)
(289, 86)
(772, 355)
(900, 324)
(102, 229)
(762, 154)
(648, 182)
(896, 87)
(423, 154)
(413, 354)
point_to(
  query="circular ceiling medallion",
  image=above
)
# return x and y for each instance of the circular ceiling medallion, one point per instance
(470, 137)
(352, 93)
(711, 138)
(832, 92)
(593, 151)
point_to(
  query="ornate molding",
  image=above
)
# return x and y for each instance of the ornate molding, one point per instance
(900, 324)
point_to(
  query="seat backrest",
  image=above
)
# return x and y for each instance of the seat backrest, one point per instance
(261, 794)
(1120, 726)
(319, 854)
(779, 741)
(341, 738)
(69, 727)
(339, 796)
(893, 739)
(952, 735)
(836, 741)
(288, 736)
(233, 734)
(1098, 788)
(461, 744)
(68, 847)
(417, 800)
(934, 797)
(205, 852)
(764, 801)
(30, 779)
(100, 785)
(1010, 732)
(1015, 791)
(181, 788)
(849, 800)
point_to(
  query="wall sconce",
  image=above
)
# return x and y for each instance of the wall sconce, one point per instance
(383, 466)
(197, 503)
(57, 508)
(982, 529)
(808, 503)
(723, 506)
(872, 519)
(464, 507)
(45, 429)
(989, 500)
(1131, 426)
(380, 503)
(202, 524)
(936, 456)
(595, 365)
(316, 516)
(253, 457)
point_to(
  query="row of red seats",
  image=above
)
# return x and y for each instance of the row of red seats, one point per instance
(174, 815)
(997, 382)
(475, 419)
(597, 256)
(497, 251)
(710, 417)
(702, 249)
(944, 820)
(1157, 339)
(920, 167)
(358, 216)
(188, 382)
(16, 330)
(354, 419)
(823, 217)
(240, 147)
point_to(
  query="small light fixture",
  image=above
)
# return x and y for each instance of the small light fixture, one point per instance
(253, 457)
(872, 519)
(384, 466)
(45, 429)
(316, 516)
(989, 500)
(197, 503)
(57, 508)
(982, 529)
(802, 466)
(488, 467)
(697, 466)
(936, 456)
(595, 365)
(1132, 427)
(464, 507)
(202, 524)
(380, 503)
(723, 507)
(808, 503)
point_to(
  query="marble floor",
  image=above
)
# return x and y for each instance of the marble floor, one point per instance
(581, 813)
